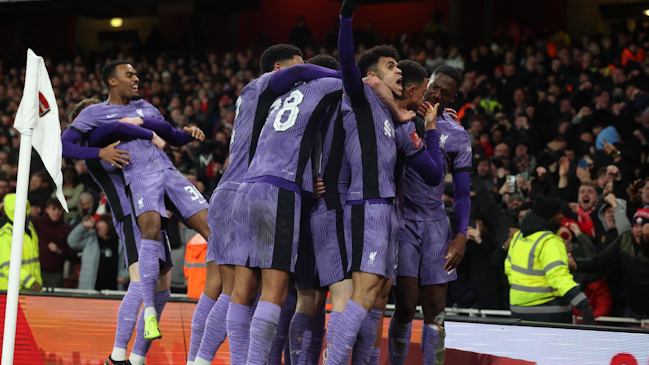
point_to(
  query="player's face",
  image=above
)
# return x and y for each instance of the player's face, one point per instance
(442, 90)
(417, 96)
(390, 74)
(127, 82)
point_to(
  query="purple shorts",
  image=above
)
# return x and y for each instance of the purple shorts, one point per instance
(131, 237)
(148, 194)
(330, 251)
(370, 234)
(422, 248)
(219, 219)
(266, 227)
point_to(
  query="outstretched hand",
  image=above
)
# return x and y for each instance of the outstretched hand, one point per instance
(348, 7)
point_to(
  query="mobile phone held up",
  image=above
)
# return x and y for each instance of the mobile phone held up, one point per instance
(511, 182)
(583, 164)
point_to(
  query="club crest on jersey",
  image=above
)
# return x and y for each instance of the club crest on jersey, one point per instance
(139, 113)
(140, 203)
(415, 139)
(388, 129)
(442, 140)
(372, 258)
(43, 105)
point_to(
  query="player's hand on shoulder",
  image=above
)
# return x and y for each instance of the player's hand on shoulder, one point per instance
(132, 120)
(114, 156)
(452, 113)
(195, 132)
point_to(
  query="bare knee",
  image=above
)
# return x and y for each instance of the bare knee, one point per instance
(149, 226)
(432, 309)
(213, 283)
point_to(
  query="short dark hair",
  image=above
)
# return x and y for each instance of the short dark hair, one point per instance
(412, 72)
(108, 70)
(277, 53)
(368, 59)
(324, 60)
(588, 183)
(54, 203)
(449, 71)
(81, 106)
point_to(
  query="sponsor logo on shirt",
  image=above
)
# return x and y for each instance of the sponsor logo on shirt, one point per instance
(388, 130)
(415, 139)
(111, 116)
(442, 140)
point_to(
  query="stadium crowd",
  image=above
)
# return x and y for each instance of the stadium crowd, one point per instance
(547, 115)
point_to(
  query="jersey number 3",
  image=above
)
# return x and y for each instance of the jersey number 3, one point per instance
(289, 106)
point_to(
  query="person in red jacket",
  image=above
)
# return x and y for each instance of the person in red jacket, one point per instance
(52, 234)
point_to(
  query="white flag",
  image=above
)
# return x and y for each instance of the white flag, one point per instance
(38, 110)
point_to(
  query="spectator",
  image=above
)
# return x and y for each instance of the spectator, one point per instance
(30, 270)
(629, 252)
(72, 191)
(53, 232)
(39, 190)
(86, 208)
(102, 259)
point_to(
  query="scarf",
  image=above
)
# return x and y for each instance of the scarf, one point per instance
(585, 222)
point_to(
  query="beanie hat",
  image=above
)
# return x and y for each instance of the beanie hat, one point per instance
(641, 217)
(546, 207)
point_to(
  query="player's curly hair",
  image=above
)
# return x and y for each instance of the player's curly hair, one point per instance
(412, 72)
(370, 58)
(277, 53)
(81, 106)
(108, 70)
(325, 61)
(449, 71)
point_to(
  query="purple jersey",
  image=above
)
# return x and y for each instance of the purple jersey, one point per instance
(286, 141)
(409, 145)
(423, 202)
(252, 107)
(332, 166)
(370, 146)
(146, 158)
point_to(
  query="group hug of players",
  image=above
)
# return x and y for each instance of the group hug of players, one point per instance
(334, 184)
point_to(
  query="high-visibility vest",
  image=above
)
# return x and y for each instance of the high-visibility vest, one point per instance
(195, 267)
(537, 269)
(30, 270)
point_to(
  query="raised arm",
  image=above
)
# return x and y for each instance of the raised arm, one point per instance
(116, 131)
(283, 80)
(352, 78)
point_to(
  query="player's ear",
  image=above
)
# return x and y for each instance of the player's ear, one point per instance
(112, 81)
(410, 90)
(277, 67)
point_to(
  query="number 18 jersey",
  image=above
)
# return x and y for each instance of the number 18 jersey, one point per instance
(285, 143)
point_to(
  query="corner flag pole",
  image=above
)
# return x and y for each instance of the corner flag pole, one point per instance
(11, 311)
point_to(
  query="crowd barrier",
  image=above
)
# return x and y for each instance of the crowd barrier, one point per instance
(64, 326)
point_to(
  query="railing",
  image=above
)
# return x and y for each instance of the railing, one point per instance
(471, 312)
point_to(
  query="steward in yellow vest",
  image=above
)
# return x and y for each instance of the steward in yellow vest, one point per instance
(541, 286)
(30, 271)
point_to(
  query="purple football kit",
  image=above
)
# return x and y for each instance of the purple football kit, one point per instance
(425, 236)
(268, 202)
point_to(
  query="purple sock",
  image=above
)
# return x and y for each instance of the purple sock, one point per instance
(347, 327)
(215, 330)
(432, 345)
(288, 309)
(263, 329)
(127, 318)
(149, 268)
(317, 329)
(299, 325)
(199, 318)
(366, 338)
(141, 345)
(331, 327)
(376, 355)
(238, 325)
(399, 341)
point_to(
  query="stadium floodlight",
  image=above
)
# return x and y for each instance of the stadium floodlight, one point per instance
(646, 12)
(116, 22)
